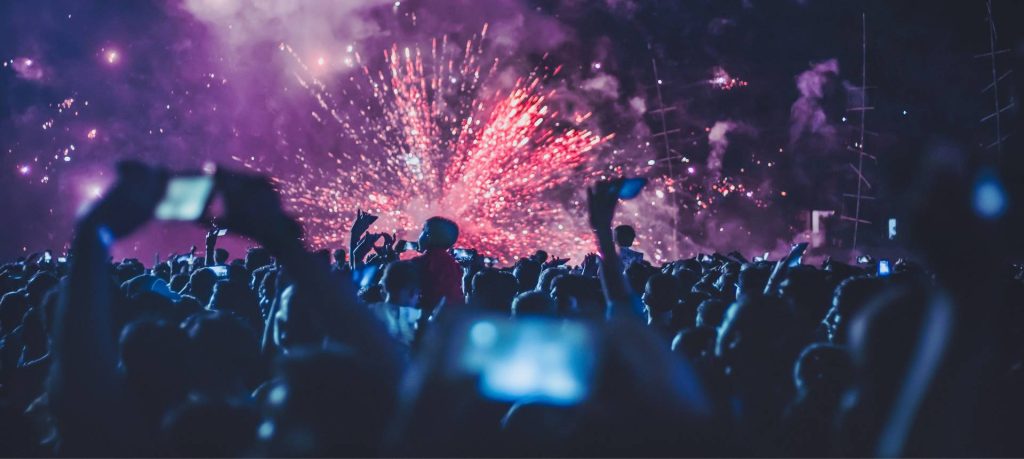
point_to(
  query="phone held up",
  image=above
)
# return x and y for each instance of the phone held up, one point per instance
(186, 198)
(540, 359)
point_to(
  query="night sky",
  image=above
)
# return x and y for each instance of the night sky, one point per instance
(180, 82)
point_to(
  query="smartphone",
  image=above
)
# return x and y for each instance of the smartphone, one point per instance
(765, 256)
(47, 257)
(185, 198)
(863, 259)
(410, 246)
(540, 359)
(631, 187)
(463, 254)
(221, 232)
(62, 259)
(220, 271)
(883, 268)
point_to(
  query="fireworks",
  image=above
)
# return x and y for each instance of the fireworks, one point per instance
(429, 141)
(722, 80)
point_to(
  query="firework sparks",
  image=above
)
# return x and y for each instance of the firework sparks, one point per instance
(428, 143)
(722, 80)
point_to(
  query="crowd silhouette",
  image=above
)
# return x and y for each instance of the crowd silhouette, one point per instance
(426, 348)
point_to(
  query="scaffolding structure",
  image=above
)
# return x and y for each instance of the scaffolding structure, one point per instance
(863, 185)
(669, 154)
(999, 108)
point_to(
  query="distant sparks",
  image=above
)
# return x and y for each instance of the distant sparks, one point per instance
(722, 80)
(430, 143)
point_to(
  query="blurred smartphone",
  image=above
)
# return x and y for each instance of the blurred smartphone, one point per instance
(62, 259)
(220, 271)
(410, 246)
(863, 259)
(221, 232)
(186, 198)
(463, 254)
(883, 268)
(539, 359)
(47, 256)
(631, 187)
(490, 261)
(765, 256)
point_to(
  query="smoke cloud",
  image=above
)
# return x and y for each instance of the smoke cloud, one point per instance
(807, 116)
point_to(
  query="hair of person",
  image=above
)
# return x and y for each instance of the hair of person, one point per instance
(625, 235)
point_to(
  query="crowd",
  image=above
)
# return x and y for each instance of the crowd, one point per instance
(427, 348)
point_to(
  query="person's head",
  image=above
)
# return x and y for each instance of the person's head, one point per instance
(882, 337)
(154, 359)
(695, 343)
(438, 233)
(624, 235)
(809, 292)
(223, 351)
(686, 278)
(547, 276)
(753, 278)
(661, 294)
(339, 257)
(637, 275)
(200, 285)
(12, 308)
(163, 271)
(823, 369)
(178, 283)
(220, 256)
(493, 290)
(527, 272)
(710, 312)
(534, 303)
(540, 256)
(237, 298)
(401, 284)
(127, 269)
(578, 295)
(326, 402)
(756, 343)
(256, 257)
(323, 256)
(849, 298)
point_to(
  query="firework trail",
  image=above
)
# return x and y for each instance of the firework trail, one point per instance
(427, 143)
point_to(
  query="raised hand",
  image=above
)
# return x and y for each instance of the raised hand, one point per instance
(211, 237)
(602, 198)
(591, 263)
(253, 208)
(363, 221)
(130, 203)
(556, 262)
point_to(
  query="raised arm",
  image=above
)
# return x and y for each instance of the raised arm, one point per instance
(329, 308)
(85, 387)
(602, 198)
(211, 247)
(359, 226)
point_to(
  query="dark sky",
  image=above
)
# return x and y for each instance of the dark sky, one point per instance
(188, 84)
